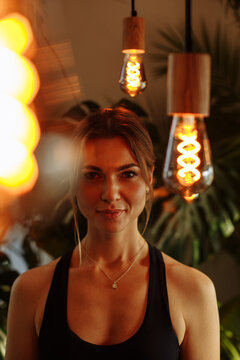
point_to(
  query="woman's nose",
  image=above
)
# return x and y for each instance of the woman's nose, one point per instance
(110, 191)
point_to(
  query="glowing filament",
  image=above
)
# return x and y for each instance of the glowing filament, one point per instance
(133, 74)
(189, 160)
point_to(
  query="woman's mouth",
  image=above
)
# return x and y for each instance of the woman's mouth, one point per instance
(111, 214)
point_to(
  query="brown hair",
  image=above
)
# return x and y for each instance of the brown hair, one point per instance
(109, 123)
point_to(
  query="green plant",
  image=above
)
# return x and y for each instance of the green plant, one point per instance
(230, 329)
(230, 345)
(7, 277)
(234, 5)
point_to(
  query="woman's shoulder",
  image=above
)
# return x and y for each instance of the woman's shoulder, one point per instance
(185, 276)
(34, 280)
(193, 309)
(190, 284)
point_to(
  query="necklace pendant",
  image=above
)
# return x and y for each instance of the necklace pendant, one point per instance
(114, 285)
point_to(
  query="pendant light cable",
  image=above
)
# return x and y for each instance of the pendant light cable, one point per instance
(133, 12)
(188, 46)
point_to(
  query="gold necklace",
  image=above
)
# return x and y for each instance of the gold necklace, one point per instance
(114, 282)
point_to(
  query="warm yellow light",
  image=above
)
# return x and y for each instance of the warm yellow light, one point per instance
(188, 168)
(19, 129)
(18, 170)
(18, 122)
(132, 80)
(15, 33)
(190, 198)
(13, 155)
(188, 162)
(133, 74)
(18, 76)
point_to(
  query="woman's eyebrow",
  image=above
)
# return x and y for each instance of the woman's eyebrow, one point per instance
(123, 167)
(92, 167)
(127, 166)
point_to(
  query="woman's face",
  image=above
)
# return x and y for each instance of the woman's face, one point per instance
(111, 191)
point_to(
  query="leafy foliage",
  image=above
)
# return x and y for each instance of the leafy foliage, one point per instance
(7, 277)
(230, 329)
(230, 345)
(235, 6)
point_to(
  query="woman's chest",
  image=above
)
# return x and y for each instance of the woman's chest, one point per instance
(100, 314)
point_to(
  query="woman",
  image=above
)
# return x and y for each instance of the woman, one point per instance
(114, 295)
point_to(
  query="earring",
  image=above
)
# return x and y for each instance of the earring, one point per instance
(147, 190)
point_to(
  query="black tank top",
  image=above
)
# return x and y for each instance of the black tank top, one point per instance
(154, 340)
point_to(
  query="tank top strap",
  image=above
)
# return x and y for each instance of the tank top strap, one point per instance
(56, 303)
(158, 292)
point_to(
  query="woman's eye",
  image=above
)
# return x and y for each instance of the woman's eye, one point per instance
(129, 174)
(92, 175)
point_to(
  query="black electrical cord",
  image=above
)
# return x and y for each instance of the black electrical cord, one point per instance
(188, 46)
(133, 12)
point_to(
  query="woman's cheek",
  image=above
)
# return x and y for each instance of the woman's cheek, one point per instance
(87, 196)
(138, 192)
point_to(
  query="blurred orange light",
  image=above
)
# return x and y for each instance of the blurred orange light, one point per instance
(15, 33)
(19, 169)
(18, 76)
(18, 122)
(19, 129)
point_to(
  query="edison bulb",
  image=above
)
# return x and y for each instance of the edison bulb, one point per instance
(188, 167)
(133, 80)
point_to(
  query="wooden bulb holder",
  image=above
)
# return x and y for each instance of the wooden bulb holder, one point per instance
(188, 84)
(133, 35)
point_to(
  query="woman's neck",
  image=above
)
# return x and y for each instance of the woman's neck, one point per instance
(112, 247)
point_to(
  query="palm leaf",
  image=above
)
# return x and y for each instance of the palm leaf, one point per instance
(229, 350)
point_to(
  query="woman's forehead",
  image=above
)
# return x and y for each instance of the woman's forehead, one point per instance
(113, 150)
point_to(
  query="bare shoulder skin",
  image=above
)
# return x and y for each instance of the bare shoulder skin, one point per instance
(193, 310)
(26, 295)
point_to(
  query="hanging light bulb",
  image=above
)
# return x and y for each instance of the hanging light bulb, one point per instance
(133, 80)
(188, 167)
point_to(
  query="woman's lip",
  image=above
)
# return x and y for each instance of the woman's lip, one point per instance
(110, 210)
(111, 214)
